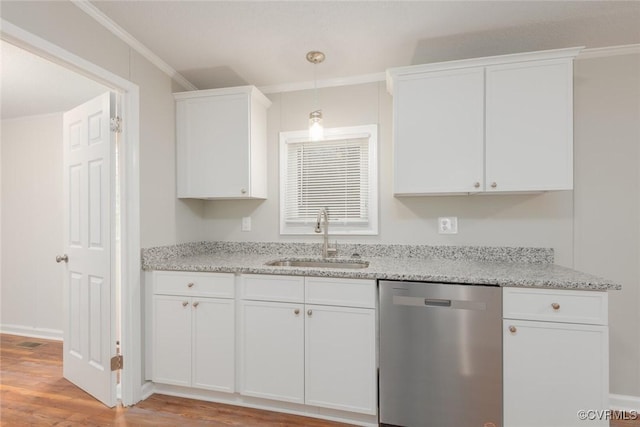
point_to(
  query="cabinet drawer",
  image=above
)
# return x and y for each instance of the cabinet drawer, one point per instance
(340, 292)
(272, 288)
(220, 285)
(589, 307)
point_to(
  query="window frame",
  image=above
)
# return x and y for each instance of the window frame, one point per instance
(332, 134)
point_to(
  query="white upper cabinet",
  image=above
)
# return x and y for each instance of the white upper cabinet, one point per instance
(439, 132)
(497, 124)
(529, 126)
(222, 143)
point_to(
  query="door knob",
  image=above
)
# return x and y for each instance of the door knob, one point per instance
(61, 258)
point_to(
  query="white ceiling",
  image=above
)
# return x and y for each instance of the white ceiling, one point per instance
(227, 43)
(31, 85)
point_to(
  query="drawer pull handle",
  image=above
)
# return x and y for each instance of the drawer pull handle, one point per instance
(190, 285)
(296, 311)
(196, 304)
(513, 329)
(309, 312)
(555, 306)
(185, 303)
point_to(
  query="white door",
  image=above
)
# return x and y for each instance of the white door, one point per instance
(89, 290)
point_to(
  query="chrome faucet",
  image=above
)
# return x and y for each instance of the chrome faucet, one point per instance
(326, 250)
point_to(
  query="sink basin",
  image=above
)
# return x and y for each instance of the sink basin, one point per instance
(324, 263)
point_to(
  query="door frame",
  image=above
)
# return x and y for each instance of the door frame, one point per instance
(130, 298)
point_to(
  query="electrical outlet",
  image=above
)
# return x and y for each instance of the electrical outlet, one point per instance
(448, 225)
(246, 223)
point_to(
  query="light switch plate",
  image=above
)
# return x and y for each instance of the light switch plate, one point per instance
(448, 225)
(246, 223)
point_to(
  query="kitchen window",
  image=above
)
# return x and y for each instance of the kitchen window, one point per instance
(339, 173)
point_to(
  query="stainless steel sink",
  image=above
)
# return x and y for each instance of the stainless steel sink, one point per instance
(324, 263)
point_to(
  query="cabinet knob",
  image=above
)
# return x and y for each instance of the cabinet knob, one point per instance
(476, 185)
(494, 185)
(512, 329)
(555, 306)
(190, 285)
(296, 311)
(185, 303)
(309, 312)
(196, 304)
(243, 190)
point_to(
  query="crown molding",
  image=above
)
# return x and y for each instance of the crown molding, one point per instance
(600, 52)
(122, 34)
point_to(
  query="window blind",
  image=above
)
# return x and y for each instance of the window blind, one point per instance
(332, 174)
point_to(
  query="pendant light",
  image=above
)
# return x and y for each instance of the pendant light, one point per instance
(316, 131)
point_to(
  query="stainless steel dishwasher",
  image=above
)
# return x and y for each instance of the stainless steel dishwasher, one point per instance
(440, 355)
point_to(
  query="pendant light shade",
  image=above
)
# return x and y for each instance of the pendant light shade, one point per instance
(316, 130)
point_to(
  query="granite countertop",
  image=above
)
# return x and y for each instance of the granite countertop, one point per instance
(522, 267)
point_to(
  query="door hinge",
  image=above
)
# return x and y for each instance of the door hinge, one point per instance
(116, 124)
(116, 362)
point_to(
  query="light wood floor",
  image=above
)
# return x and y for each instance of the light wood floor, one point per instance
(33, 393)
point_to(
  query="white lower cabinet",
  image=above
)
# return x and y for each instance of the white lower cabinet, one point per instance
(554, 369)
(194, 336)
(340, 365)
(272, 350)
(320, 355)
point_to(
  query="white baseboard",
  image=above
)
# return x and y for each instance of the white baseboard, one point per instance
(269, 405)
(624, 403)
(147, 390)
(28, 331)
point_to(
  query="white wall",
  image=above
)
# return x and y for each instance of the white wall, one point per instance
(542, 220)
(32, 225)
(579, 225)
(607, 199)
(165, 220)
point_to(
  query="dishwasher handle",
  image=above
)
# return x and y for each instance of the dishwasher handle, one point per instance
(453, 304)
(437, 302)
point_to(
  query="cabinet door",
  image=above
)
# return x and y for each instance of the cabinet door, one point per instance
(553, 370)
(272, 350)
(529, 125)
(439, 132)
(213, 146)
(213, 358)
(340, 358)
(172, 340)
